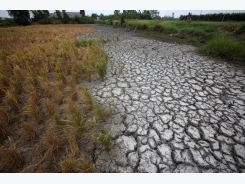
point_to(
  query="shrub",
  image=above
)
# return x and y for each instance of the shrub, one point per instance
(225, 48)
(157, 27)
(86, 20)
(122, 21)
(241, 30)
(7, 22)
(46, 20)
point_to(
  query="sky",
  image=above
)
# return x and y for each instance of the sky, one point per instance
(166, 7)
(177, 13)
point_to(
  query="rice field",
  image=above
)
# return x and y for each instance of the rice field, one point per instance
(48, 119)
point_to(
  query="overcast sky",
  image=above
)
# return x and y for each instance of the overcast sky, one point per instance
(166, 7)
(177, 13)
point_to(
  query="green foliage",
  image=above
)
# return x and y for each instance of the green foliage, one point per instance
(86, 20)
(45, 20)
(39, 14)
(58, 13)
(217, 17)
(241, 30)
(226, 49)
(58, 121)
(94, 15)
(21, 17)
(84, 43)
(122, 21)
(104, 137)
(7, 23)
(65, 19)
(101, 68)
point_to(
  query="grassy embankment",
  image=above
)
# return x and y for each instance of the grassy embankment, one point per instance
(49, 122)
(225, 40)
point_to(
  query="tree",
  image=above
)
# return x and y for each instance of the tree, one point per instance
(39, 14)
(94, 15)
(21, 17)
(101, 16)
(58, 13)
(116, 13)
(65, 15)
(146, 14)
(82, 12)
(154, 14)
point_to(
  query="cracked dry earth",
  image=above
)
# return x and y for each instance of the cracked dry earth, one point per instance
(174, 110)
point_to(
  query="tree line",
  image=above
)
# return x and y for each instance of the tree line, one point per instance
(217, 17)
(132, 14)
(23, 17)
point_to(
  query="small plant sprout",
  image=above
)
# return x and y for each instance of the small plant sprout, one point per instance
(101, 69)
(101, 113)
(88, 100)
(79, 121)
(105, 139)
(58, 121)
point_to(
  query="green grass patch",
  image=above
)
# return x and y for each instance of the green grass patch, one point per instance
(225, 48)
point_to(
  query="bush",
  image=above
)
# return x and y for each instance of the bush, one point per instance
(157, 27)
(7, 23)
(226, 49)
(45, 20)
(241, 30)
(86, 20)
(122, 21)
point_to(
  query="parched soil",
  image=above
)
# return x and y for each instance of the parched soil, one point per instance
(174, 110)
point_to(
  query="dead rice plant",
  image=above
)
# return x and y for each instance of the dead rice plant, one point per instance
(73, 90)
(59, 97)
(101, 113)
(51, 141)
(72, 108)
(45, 86)
(87, 99)
(5, 116)
(10, 159)
(28, 131)
(31, 110)
(4, 81)
(68, 165)
(61, 76)
(48, 104)
(31, 90)
(18, 74)
(4, 132)
(86, 166)
(10, 100)
(73, 143)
